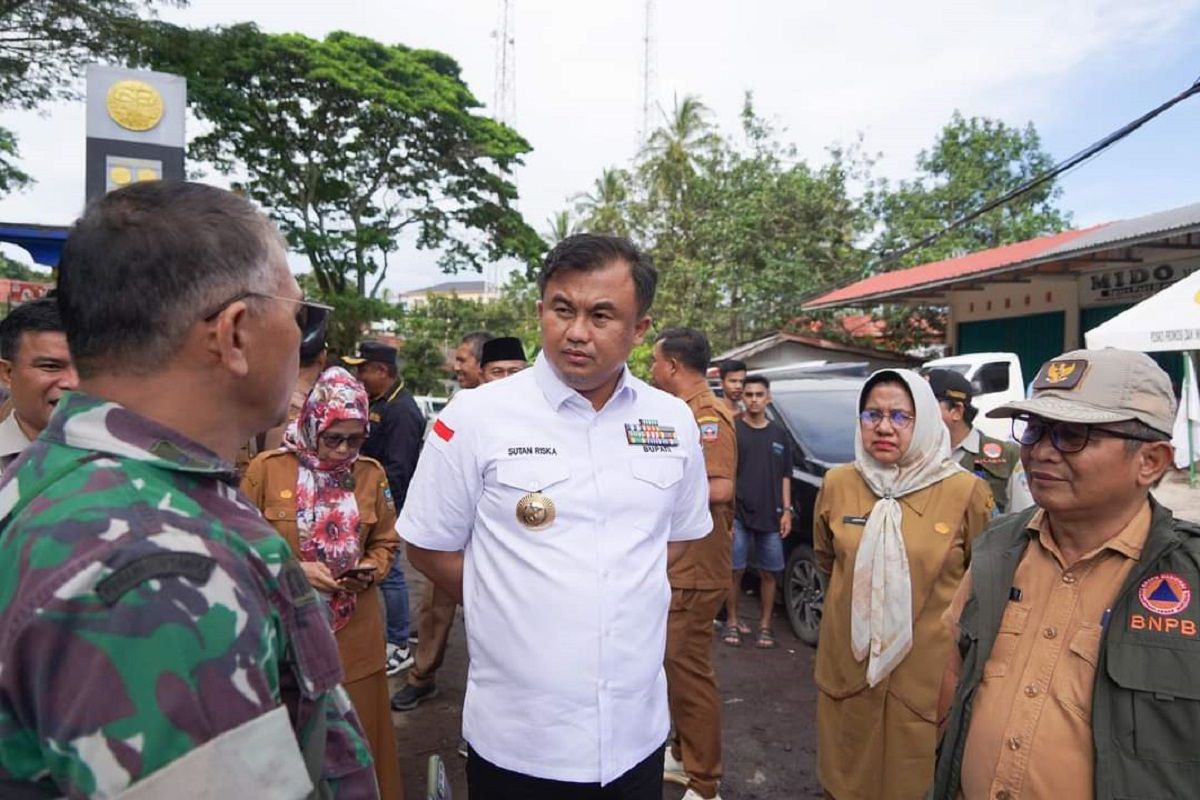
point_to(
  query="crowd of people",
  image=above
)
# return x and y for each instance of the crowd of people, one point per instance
(202, 592)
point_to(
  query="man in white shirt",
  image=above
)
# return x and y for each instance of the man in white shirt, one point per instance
(35, 366)
(551, 503)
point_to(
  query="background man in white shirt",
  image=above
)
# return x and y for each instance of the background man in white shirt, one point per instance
(552, 502)
(35, 366)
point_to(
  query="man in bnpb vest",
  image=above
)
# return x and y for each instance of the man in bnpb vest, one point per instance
(1077, 667)
(996, 462)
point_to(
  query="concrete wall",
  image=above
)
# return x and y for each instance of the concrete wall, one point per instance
(1014, 300)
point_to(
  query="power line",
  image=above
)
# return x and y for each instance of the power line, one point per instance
(1078, 159)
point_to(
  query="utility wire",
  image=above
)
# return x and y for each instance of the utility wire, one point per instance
(1063, 166)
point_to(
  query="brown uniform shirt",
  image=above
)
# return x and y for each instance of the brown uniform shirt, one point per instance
(270, 482)
(708, 563)
(1031, 732)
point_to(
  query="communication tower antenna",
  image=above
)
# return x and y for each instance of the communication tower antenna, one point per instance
(504, 104)
(647, 73)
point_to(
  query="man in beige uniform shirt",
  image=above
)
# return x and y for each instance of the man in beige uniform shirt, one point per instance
(700, 579)
(1074, 631)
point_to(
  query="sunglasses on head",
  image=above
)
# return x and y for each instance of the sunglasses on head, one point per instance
(1067, 437)
(311, 317)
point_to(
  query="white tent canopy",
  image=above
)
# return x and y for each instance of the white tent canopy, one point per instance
(1170, 320)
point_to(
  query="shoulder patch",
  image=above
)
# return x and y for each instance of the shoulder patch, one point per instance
(709, 431)
(443, 431)
(193, 566)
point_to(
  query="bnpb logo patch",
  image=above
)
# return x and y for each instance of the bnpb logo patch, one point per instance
(993, 450)
(1165, 593)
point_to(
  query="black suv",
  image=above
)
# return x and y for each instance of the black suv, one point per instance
(819, 414)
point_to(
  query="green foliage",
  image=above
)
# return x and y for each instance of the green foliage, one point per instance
(351, 145)
(972, 162)
(44, 47)
(741, 229)
(738, 231)
(17, 271)
(424, 367)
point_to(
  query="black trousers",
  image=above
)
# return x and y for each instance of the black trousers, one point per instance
(486, 781)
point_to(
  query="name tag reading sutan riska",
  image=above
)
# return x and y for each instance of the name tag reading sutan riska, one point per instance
(535, 511)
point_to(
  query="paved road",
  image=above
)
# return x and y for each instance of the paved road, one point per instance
(769, 714)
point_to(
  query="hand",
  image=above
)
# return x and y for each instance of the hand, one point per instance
(785, 524)
(350, 583)
(319, 576)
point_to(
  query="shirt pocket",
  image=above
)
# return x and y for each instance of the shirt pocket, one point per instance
(1075, 690)
(1158, 711)
(661, 471)
(1012, 625)
(531, 474)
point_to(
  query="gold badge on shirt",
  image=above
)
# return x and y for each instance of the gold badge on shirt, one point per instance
(535, 511)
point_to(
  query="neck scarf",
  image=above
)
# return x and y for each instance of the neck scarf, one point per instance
(326, 509)
(882, 604)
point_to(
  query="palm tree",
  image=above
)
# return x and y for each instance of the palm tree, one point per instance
(560, 227)
(673, 150)
(603, 209)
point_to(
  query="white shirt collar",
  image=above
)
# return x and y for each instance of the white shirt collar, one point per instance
(971, 443)
(12, 438)
(557, 392)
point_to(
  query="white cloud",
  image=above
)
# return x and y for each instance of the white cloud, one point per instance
(823, 70)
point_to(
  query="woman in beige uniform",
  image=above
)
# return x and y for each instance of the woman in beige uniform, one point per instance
(892, 532)
(334, 509)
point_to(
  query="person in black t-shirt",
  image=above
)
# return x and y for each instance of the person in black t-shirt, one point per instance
(763, 517)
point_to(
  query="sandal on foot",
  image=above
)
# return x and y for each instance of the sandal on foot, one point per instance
(765, 640)
(732, 636)
(743, 628)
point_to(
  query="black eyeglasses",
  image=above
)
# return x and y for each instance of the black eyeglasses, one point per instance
(311, 318)
(335, 440)
(1067, 437)
(898, 418)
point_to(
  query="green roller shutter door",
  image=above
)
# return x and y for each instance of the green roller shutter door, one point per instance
(1035, 339)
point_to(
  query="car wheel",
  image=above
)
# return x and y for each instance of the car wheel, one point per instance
(804, 593)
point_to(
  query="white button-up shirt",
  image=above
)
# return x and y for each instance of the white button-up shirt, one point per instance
(566, 626)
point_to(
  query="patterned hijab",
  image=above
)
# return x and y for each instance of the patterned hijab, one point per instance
(881, 609)
(326, 509)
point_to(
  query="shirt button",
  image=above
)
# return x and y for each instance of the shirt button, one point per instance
(1031, 691)
(1068, 577)
(1014, 743)
(1050, 632)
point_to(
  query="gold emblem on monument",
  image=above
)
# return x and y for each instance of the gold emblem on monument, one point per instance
(535, 511)
(134, 105)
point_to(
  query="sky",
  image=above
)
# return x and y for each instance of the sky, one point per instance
(822, 72)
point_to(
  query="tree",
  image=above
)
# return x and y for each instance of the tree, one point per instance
(559, 226)
(45, 45)
(972, 162)
(353, 146)
(605, 208)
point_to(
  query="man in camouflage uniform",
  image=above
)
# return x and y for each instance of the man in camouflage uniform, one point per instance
(996, 462)
(157, 639)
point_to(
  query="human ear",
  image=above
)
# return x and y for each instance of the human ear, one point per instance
(1154, 460)
(230, 337)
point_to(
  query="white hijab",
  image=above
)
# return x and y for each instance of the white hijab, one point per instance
(881, 625)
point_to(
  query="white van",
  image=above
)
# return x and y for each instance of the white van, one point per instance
(996, 379)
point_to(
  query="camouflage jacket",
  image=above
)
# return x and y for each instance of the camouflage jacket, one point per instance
(145, 610)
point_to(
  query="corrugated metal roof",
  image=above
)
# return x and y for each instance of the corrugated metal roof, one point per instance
(940, 272)
(1014, 257)
(1131, 231)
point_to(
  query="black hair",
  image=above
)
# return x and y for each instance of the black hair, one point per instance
(477, 339)
(589, 251)
(36, 316)
(766, 383)
(146, 262)
(688, 345)
(731, 365)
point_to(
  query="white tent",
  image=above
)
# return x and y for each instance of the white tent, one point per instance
(1170, 320)
(1167, 321)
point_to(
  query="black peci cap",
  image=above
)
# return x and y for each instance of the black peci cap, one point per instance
(950, 385)
(373, 351)
(502, 348)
